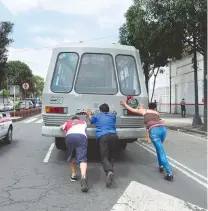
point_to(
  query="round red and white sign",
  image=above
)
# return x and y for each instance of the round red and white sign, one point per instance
(25, 86)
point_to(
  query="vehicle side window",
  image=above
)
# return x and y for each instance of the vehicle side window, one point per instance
(128, 75)
(64, 72)
(96, 75)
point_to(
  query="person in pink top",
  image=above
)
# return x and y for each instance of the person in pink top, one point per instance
(76, 141)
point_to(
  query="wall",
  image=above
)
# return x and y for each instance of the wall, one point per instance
(182, 86)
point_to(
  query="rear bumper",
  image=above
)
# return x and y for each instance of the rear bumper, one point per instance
(128, 134)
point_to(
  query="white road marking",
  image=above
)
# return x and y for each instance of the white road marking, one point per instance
(48, 153)
(30, 120)
(198, 136)
(142, 198)
(180, 164)
(176, 167)
(39, 121)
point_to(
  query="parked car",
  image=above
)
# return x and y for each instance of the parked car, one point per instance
(6, 128)
(26, 104)
(9, 106)
(5, 107)
(2, 107)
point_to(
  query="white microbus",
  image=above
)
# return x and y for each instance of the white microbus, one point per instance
(84, 76)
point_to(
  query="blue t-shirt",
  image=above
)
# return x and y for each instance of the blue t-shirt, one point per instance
(105, 123)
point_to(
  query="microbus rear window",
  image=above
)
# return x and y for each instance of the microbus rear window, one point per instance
(96, 75)
(64, 72)
(128, 75)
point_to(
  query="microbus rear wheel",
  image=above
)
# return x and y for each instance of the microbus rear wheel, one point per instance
(60, 143)
(123, 145)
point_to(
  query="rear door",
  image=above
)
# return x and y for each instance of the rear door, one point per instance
(97, 82)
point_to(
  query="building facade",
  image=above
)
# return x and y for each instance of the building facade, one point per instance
(179, 78)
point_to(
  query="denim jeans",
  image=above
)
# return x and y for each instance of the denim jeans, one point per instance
(157, 136)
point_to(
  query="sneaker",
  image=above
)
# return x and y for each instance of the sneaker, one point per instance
(161, 169)
(84, 186)
(73, 178)
(109, 179)
(169, 177)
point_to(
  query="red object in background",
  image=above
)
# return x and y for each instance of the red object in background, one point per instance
(129, 113)
(202, 100)
(3, 120)
(129, 97)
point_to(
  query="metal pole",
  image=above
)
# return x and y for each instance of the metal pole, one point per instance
(14, 101)
(25, 98)
(170, 86)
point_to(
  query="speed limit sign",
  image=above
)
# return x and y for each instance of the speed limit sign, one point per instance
(25, 86)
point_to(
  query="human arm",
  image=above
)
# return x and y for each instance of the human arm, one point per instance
(92, 118)
(139, 110)
(62, 127)
(148, 137)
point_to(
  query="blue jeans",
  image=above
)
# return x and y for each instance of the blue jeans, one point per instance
(157, 136)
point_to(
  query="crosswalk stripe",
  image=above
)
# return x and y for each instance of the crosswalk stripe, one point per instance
(39, 121)
(30, 120)
(141, 197)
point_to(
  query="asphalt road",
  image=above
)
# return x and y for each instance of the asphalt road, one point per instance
(27, 183)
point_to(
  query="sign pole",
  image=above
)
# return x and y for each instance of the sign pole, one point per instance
(25, 98)
(14, 102)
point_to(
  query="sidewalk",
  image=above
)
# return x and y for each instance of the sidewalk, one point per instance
(176, 122)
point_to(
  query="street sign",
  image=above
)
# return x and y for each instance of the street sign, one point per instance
(16, 88)
(25, 86)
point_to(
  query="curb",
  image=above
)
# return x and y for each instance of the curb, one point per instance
(22, 118)
(17, 120)
(186, 130)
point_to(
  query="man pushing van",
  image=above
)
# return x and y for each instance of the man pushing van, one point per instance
(106, 135)
(76, 143)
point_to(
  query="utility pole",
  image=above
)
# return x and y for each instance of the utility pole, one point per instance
(197, 119)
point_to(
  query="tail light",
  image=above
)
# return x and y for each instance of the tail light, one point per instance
(56, 110)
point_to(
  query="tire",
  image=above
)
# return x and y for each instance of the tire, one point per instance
(123, 145)
(8, 139)
(60, 143)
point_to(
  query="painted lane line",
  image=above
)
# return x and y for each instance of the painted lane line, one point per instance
(198, 136)
(30, 120)
(176, 167)
(180, 164)
(49, 153)
(39, 121)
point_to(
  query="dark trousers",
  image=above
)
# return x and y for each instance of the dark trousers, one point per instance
(183, 112)
(108, 148)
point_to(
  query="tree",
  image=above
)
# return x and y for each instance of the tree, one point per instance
(192, 16)
(6, 29)
(154, 40)
(37, 85)
(17, 72)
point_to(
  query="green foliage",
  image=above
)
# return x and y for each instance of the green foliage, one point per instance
(5, 30)
(4, 93)
(37, 84)
(17, 72)
(156, 41)
(190, 15)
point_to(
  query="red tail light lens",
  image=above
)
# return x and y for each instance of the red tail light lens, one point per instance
(56, 110)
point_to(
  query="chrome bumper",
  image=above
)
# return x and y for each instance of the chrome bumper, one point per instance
(123, 133)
